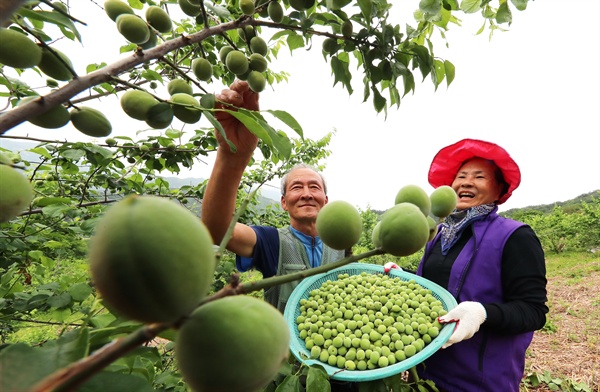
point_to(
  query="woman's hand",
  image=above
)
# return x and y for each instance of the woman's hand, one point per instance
(468, 316)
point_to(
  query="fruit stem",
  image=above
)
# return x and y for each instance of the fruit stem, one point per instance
(249, 287)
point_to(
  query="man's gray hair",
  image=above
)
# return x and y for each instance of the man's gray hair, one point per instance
(284, 179)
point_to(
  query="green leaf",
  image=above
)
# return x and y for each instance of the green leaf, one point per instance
(46, 201)
(150, 74)
(41, 151)
(74, 154)
(108, 381)
(56, 210)
(521, 5)
(341, 73)
(366, 8)
(21, 366)
(208, 115)
(470, 6)
(378, 100)
(317, 379)
(409, 83)
(174, 133)
(295, 41)
(430, 7)
(372, 386)
(450, 72)
(220, 11)
(281, 143)
(51, 17)
(503, 15)
(80, 291)
(135, 4)
(253, 126)
(60, 301)
(423, 58)
(288, 120)
(440, 72)
(290, 383)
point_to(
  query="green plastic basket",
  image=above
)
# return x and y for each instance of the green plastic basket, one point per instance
(292, 311)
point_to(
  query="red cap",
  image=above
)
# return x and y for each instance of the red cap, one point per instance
(448, 161)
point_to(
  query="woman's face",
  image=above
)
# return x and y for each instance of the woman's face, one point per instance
(476, 184)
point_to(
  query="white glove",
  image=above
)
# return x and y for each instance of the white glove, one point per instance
(468, 316)
(388, 266)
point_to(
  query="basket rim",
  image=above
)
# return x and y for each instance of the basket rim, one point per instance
(300, 352)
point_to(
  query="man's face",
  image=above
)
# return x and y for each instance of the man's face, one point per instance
(475, 184)
(304, 196)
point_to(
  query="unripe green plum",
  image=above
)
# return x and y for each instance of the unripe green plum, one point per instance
(202, 68)
(56, 117)
(15, 190)
(189, 8)
(133, 28)
(207, 101)
(347, 29)
(376, 236)
(152, 41)
(17, 50)
(259, 45)
(275, 11)
(443, 201)
(190, 113)
(433, 228)
(256, 81)
(244, 331)
(54, 67)
(258, 62)
(237, 62)
(223, 52)
(404, 230)
(339, 225)
(416, 195)
(179, 86)
(90, 121)
(151, 259)
(160, 115)
(330, 45)
(159, 19)
(247, 7)
(137, 103)
(114, 8)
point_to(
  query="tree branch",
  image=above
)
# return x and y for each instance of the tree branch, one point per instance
(21, 113)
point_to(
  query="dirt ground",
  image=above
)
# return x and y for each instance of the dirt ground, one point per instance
(572, 350)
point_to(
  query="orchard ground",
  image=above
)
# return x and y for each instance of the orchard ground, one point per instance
(569, 345)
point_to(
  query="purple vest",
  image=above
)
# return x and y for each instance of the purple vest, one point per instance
(489, 361)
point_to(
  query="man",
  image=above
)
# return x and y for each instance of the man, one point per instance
(273, 251)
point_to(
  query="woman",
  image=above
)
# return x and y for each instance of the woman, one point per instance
(493, 266)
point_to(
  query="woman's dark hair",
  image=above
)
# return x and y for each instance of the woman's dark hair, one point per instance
(500, 179)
